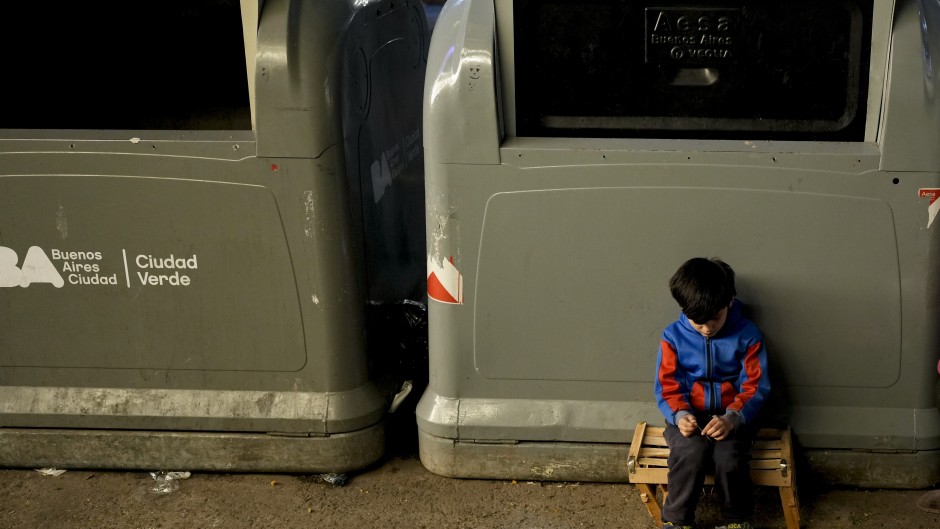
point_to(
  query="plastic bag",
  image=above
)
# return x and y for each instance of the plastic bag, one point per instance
(167, 482)
(337, 480)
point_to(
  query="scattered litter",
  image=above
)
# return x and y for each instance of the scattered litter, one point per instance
(167, 482)
(50, 471)
(273, 483)
(337, 480)
(401, 395)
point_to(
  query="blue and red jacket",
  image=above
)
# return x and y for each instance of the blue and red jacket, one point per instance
(726, 373)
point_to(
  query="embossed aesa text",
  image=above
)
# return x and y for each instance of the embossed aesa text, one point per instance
(693, 36)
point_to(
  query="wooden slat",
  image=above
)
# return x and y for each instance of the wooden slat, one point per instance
(767, 444)
(650, 475)
(652, 440)
(656, 473)
(758, 477)
(774, 433)
(652, 462)
(657, 462)
(765, 439)
(648, 451)
(766, 454)
(768, 479)
(659, 475)
(637, 443)
(765, 464)
(763, 433)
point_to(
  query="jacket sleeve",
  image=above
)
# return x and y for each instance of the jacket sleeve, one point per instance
(753, 381)
(670, 397)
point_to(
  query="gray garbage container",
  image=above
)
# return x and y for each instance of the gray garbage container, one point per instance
(194, 299)
(577, 154)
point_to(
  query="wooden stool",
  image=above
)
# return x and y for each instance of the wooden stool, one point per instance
(771, 466)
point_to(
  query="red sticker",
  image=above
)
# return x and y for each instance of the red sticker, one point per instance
(445, 284)
(934, 206)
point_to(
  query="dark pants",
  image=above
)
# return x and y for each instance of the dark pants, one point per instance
(690, 458)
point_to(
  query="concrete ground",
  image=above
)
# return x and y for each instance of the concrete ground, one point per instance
(397, 492)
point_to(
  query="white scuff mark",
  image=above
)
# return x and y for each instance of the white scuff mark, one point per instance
(545, 472)
(310, 207)
(549, 470)
(135, 141)
(445, 283)
(55, 472)
(315, 299)
(62, 222)
(445, 227)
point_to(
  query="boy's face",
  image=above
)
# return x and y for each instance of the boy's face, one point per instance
(711, 327)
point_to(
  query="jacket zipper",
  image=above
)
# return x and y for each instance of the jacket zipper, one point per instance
(708, 370)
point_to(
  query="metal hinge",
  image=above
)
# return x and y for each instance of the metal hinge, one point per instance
(784, 467)
(631, 465)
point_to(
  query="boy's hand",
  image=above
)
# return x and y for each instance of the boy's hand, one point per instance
(687, 425)
(717, 428)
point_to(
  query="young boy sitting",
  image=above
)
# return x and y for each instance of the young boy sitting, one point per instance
(711, 380)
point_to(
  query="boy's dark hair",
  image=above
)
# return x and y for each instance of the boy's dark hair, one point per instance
(703, 287)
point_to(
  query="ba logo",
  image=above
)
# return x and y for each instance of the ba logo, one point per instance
(36, 268)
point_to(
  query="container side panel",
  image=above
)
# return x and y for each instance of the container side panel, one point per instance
(581, 273)
(145, 273)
